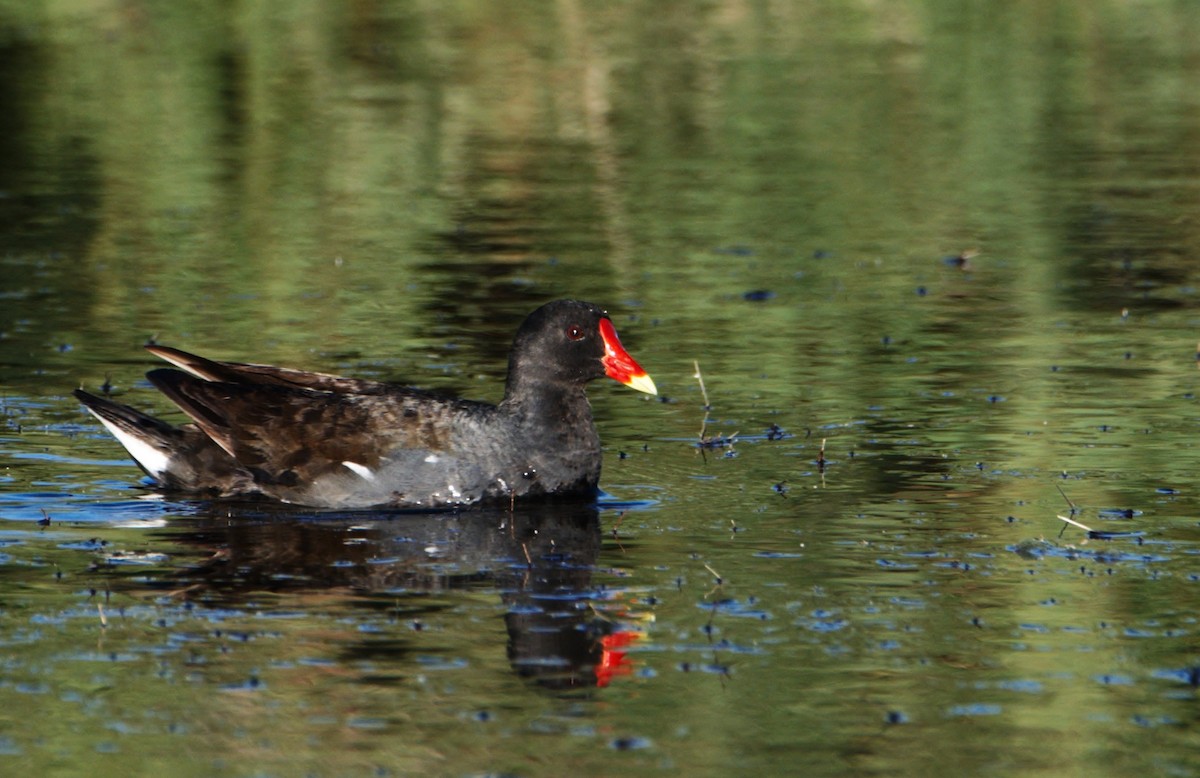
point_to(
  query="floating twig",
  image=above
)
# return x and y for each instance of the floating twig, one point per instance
(616, 526)
(1074, 523)
(705, 441)
(1074, 509)
(703, 393)
(717, 584)
(700, 378)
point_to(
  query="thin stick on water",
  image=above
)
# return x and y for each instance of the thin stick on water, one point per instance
(718, 582)
(1074, 509)
(704, 394)
(617, 524)
(704, 441)
(1076, 524)
(700, 378)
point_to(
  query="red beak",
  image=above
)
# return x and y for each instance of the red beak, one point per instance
(618, 365)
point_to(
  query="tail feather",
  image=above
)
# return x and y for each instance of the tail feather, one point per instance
(208, 369)
(188, 393)
(180, 458)
(266, 375)
(148, 440)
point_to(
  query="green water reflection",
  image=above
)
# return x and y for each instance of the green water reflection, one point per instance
(792, 194)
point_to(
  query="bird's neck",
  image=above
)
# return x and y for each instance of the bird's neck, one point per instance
(546, 400)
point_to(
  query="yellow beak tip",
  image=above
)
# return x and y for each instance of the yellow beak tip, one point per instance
(643, 383)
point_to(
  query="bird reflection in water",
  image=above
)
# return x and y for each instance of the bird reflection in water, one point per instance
(540, 558)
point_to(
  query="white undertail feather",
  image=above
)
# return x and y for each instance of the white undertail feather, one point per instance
(153, 460)
(363, 471)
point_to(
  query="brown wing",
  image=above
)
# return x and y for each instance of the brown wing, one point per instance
(287, 435)
(268, 375)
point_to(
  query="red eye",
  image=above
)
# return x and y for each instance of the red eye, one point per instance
(574, 332)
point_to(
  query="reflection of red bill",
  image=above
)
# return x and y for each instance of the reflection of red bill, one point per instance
(613, 659)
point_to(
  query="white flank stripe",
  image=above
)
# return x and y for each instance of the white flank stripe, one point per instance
(363, 471)
(152, 460)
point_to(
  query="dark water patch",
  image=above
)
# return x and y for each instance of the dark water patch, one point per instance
(733, 607)
(90, 544)
(708, 668)
(1190, 676)
(368, 723)
(971, 710)
(720, 646)
(1043, 548)
(1023, 686)
(894, 566)
(135, 558)
(26, 687)
(430, 662)
(621, 505)
(924, 554)
(1096, 534)
(824, 625)
(1113, 680)
(252, 684)
(106, 657)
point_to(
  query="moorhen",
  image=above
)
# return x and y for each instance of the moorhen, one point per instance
(325, 441)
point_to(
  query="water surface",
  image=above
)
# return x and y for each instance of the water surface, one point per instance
(938, 268)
